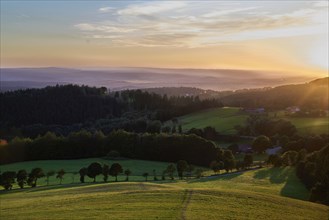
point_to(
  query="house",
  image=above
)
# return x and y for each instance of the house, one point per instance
(273, 150)
(254, 110)
(292, 110)
(245, 148)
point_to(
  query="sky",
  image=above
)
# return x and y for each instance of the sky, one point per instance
(286, 36)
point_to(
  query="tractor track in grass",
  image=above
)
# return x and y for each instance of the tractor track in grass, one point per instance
(186, 201)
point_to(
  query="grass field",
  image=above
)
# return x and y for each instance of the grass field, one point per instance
(268, 193)
(225, 119)
(311, 125)
(137, 167)
(222, 119)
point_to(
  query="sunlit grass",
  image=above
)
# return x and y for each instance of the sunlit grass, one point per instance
(222, 119)
(258, 194)
(225, 119)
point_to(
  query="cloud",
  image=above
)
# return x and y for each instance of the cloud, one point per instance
(102, 28)
(151, 8)
(106, 9)
(321, 4)
(226, 12)
(199, 24)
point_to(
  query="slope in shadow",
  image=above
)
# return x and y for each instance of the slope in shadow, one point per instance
(292, 188)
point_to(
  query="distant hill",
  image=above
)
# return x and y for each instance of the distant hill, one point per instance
(312, 95)
(138, 78)
(188, 91)
(321, 82)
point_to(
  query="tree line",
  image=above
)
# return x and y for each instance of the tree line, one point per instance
(23, 178)
(84, 144)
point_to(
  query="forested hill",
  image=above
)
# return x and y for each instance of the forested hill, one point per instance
(187, 91)
(68, 104)
(321, 82)
(312, 95)
(308, 95)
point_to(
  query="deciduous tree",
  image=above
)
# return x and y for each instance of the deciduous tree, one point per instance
(94, 170)
(115, 170)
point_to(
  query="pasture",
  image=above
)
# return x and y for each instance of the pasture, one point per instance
(225, 119)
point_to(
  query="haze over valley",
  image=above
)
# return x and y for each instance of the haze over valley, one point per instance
(139, 78)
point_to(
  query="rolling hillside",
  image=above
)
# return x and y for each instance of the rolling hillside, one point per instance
(225, 119)
(268, 193)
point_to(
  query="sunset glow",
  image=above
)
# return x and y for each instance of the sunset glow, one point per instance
(288, 36)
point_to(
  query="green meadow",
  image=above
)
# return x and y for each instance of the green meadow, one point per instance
(267, 193)
(71, 167)
(311, 125)
(225, 119)
(222, 119)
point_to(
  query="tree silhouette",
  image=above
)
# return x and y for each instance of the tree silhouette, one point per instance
(216, 166)
(21, 178)
(229, 160)
(145, 175)
(49, 174)
(7, 179)
(60, 175)
(83, 172)
(198, 173)
(163, 176)
(34, 175)
(127, 173)
(182, 166)
(261, 143)
(105, 172)
(155, 175)
(248, 160)
(94, 170)
(115, 170)
(171, 170)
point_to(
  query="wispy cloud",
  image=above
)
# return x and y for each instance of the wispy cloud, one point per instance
(198, 24)
(106, 9)
(151, 8)
(226, 12)
(103, 28)
(321, 4)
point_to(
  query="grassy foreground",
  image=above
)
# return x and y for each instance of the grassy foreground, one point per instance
(268, 193)
(153, 201)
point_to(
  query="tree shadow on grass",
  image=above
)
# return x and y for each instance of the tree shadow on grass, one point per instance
(292, 188)
(275, 174)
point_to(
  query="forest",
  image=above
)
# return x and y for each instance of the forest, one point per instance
(83, 144)
(68, 108)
